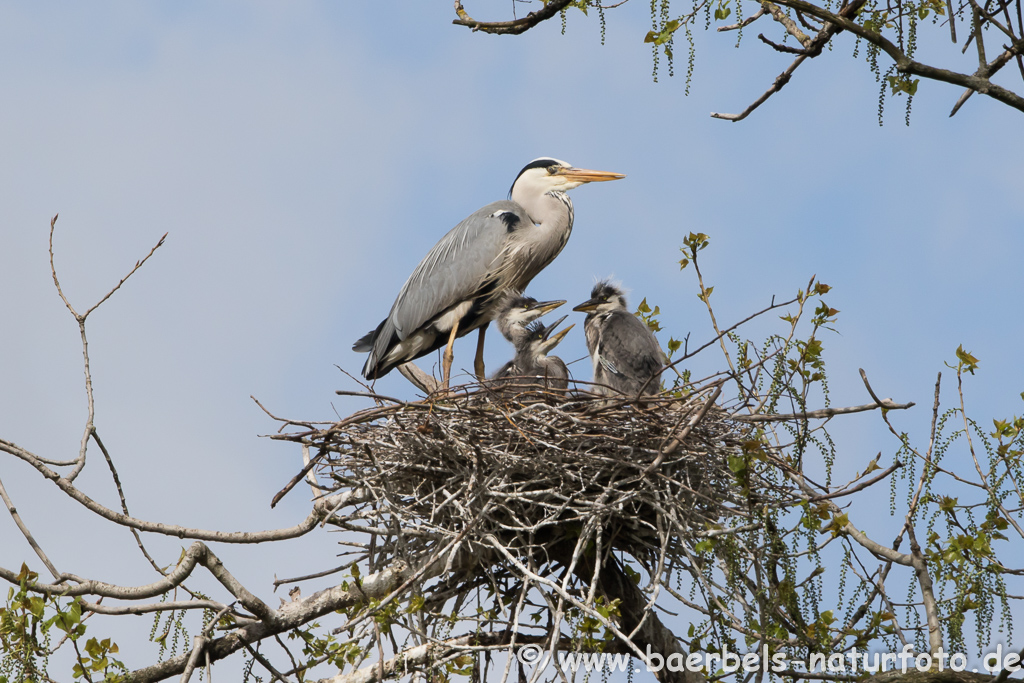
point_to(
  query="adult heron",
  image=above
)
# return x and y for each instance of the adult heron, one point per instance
(533, 368)
(456, 287)
(625, 354)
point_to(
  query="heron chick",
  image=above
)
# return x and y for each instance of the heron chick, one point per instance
(456, 287)
(515, 311)
(532, 367)
(625, 354)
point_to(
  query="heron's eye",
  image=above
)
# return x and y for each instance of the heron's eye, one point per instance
(553, 169)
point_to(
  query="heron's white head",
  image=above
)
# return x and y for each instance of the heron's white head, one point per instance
(547, 174)
(605, 297)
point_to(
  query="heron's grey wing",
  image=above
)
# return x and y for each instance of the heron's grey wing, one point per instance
(628, 348)
(455, 267)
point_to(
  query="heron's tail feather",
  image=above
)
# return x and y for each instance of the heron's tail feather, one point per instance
(365, 343)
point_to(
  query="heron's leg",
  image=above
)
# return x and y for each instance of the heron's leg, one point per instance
(449, 355)
(478, 364)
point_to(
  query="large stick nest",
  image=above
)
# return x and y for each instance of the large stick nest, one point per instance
(525, 473)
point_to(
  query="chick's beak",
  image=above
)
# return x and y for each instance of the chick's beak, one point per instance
(550, 341)
(587, 306)
(544, 307)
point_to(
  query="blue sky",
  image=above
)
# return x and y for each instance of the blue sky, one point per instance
(304, 157)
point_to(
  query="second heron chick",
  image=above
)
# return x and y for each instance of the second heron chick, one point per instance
(533, 368)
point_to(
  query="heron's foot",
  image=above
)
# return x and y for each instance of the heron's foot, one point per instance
(478, 360)
(446, 371)
(448, 357)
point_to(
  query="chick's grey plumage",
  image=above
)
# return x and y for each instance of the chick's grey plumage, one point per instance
(623, 349)
(532, 367)
(457, 285)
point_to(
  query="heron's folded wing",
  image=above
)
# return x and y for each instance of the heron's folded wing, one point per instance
(454, 269)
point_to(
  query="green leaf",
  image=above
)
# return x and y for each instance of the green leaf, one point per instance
(415, 604)
(664, 35)
(835, 527)
(967, 361)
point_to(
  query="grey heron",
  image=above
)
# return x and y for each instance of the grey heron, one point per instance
(533, 368)
(622, 348)
(457, 286)
(515, 311)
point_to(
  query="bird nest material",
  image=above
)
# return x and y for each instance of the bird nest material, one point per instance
(523, 475)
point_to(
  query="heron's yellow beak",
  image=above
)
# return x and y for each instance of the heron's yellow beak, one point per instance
(583, 175)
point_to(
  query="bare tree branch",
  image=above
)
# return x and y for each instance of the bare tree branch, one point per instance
(321, 508)
(746, 22)
(812, 48)
(513, 27)
(824, 413)
(790, 26)
(26, 533)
